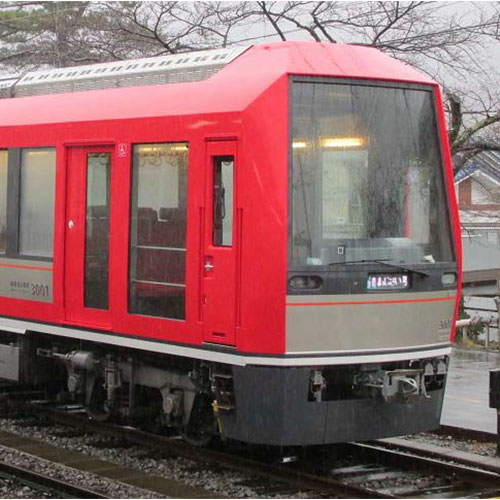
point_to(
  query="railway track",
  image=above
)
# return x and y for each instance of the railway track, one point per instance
(45, 483)
(402, 471)
(373, 470)
(465, 434)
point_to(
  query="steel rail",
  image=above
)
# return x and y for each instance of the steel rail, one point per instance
(450, 457)
(466, 471)
(465, 434)
(43, 482)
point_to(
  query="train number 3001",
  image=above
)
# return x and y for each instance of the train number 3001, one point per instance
(39, 290)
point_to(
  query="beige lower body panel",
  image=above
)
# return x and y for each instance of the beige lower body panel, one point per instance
(26, 280)
(335, 323)
(303, 359)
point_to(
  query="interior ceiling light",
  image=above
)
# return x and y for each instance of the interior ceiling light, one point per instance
(342, 142)
(163, 148)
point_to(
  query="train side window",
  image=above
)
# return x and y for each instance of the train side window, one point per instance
(223, 201)
(36, 208)
(158, 230)
(3, 200)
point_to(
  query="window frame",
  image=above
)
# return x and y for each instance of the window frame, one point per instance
(392, 84)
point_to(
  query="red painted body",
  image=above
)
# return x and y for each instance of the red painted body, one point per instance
(243, 111)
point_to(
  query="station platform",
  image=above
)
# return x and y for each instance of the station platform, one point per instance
(466, 400)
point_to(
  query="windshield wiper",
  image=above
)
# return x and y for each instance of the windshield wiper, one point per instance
(385, 262)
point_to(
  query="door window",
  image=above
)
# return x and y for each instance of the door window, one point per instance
(97, 230)
(223, 201)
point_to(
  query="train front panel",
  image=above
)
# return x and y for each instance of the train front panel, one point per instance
(373, 279)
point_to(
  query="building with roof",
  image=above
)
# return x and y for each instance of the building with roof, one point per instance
(477, 187)
(481, 267)
(478, 194)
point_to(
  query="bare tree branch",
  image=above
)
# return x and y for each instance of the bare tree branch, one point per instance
(442, 41)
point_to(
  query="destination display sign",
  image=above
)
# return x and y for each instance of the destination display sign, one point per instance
(387, 282)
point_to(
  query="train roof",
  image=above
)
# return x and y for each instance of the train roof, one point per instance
(229, 87)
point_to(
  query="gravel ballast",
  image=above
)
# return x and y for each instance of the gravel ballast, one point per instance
(222, 482)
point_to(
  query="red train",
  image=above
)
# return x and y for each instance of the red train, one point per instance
(260, 242)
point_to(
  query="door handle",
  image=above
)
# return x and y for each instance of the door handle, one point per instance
(208, 266)
(71, 224)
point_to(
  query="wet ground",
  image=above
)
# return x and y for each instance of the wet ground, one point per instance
(466, 402)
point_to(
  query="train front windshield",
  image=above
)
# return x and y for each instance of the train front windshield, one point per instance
(367, 179)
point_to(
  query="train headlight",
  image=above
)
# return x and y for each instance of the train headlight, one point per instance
(306, 282)
(449, 278)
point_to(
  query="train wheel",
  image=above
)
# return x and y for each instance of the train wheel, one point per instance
(202, 425)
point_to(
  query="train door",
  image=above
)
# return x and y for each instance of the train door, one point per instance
(86, 284)
(219, 273)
